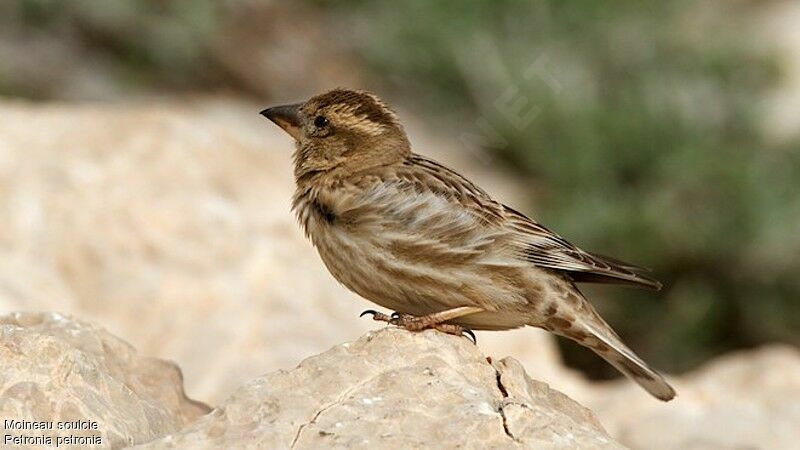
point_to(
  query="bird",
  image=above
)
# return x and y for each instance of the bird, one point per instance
(416, 237)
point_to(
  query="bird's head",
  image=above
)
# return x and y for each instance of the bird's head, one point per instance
(343, 130)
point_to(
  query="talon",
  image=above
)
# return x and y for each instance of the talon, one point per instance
(470, 335)
(376, 316)
(369, 311)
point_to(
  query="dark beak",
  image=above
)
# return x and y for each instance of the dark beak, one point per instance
(286, 117)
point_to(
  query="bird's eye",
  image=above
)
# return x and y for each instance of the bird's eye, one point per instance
(320, 121)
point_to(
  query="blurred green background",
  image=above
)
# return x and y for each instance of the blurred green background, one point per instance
(662, 133)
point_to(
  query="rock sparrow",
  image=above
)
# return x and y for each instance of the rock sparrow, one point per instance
(411, 235)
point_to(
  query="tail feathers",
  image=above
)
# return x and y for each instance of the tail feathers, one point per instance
(610, 348)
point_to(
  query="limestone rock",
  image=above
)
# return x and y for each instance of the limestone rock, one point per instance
(395, 389)
(747, 399)
(54, 368)
(169, 223)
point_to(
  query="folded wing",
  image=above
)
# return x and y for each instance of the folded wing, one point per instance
(534, 243)
(446, 213)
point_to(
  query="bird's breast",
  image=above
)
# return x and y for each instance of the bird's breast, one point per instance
(410, 252)
(352, 256)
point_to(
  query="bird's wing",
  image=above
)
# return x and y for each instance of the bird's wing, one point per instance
(421, 216)
(544, 248)
(445, 211)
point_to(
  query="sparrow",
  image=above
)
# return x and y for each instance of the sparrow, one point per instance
(413, 236)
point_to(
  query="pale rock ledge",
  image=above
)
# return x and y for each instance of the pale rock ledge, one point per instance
(388, 389)
(396, 389)
(57, 369)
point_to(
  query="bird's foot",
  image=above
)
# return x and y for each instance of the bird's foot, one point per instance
(415, 323)
(377, 316)
(456, 330)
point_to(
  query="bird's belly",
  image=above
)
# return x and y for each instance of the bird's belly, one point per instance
(413, 284)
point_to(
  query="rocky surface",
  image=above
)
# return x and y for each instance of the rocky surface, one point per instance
(390, 388)
(56, 369)
(395, 389)
(169, 223)
(744, 400)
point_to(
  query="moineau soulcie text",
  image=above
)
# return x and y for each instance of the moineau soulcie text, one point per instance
(10, 424)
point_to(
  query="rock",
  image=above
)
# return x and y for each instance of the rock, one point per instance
(747, 399)
(56, 369)
(396, 389)
(169, 223)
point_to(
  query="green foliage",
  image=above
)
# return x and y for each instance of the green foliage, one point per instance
(647, 144)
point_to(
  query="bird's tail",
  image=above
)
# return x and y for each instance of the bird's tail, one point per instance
(609, 346)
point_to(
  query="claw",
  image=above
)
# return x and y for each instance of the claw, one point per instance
(395, 316)
(376, 316)
(369, 311)
(469, 334)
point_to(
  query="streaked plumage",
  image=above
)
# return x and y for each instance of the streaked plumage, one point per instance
(413, 236)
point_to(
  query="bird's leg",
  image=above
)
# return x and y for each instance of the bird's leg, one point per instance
(436, 321)
(417, 323)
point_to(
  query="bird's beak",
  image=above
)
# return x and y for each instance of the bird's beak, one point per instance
(286, 117)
